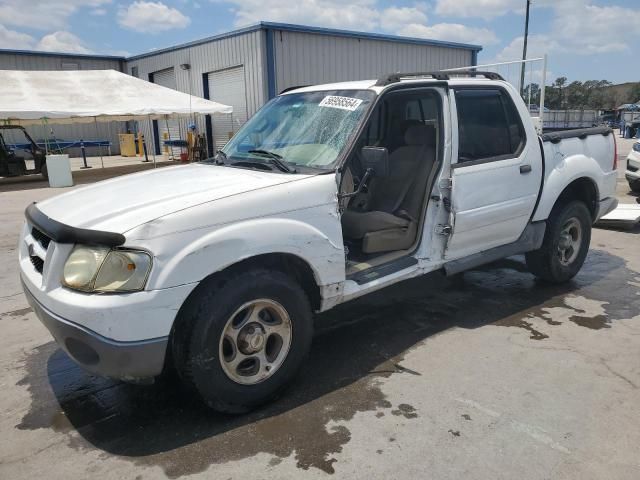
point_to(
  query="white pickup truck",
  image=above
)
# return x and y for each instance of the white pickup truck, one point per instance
(328, 193)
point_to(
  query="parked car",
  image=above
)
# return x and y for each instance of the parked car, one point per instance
(328, 193)
(12, 165)
(632, 173)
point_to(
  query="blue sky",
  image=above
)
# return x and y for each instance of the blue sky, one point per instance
(585, 39)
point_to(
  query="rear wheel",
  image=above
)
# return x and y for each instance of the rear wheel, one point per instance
(44, 172)
(244, 339)
(565, 245)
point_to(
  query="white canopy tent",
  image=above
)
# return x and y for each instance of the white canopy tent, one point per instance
(88, 96)
(29, 97)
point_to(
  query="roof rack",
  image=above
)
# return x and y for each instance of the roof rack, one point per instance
(441, 75)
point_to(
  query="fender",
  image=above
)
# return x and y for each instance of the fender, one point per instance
(211, 252)
(562, 171)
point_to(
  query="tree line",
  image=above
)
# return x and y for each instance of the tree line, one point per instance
(588, 95)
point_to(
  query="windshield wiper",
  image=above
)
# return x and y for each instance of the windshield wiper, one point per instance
(274, 159)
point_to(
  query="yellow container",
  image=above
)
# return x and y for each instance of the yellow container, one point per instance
(127, 144)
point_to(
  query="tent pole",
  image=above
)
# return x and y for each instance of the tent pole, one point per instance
(98, 139)
(154, 149)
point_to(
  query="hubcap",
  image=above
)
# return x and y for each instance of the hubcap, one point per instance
(569, 241)
(255, 341)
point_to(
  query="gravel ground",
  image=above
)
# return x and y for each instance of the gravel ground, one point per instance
(486, 375)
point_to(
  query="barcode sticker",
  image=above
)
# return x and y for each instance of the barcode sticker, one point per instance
(344, 103)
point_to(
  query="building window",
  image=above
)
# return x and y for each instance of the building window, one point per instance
(134, 72)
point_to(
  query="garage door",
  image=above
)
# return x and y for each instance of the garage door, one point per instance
(168, 129)
(227, 86)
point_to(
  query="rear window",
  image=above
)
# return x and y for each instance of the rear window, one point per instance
(489, 127)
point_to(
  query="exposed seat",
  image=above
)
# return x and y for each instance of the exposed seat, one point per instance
(390, 221)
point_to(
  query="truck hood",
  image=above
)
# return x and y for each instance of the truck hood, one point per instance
(122, 203)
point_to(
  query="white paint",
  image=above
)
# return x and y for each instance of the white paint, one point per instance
(199, 219)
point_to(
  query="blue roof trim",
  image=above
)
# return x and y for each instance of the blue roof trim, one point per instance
(367, 35)
(9, 51)
(306, 29)
(265, 26)
(233, 33)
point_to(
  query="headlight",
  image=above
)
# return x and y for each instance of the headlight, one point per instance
(636, 146)
(100, 269)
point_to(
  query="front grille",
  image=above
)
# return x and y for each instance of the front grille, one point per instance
(37, 262)
(40, 237)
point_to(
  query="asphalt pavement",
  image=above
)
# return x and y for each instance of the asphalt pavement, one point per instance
(486, 375)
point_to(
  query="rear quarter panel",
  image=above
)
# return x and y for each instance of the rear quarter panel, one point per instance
(574, 158)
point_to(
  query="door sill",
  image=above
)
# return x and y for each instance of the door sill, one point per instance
(375, 273)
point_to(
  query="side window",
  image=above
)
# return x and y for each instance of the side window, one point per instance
(489, 126)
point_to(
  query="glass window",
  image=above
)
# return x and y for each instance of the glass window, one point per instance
(308, 129)
(489, 125)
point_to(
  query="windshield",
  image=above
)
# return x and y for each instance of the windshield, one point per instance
(302, 129)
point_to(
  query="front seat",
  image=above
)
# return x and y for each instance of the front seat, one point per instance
(394, 207)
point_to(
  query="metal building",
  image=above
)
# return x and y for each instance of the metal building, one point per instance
(246, 67)
(28, 60)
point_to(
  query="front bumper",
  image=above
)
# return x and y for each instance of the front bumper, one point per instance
(632, 174)
(103, 356)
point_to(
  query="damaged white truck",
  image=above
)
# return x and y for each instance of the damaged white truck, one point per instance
(328, 193)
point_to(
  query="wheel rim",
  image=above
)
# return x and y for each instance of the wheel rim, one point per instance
(569, 241)
(255, 341)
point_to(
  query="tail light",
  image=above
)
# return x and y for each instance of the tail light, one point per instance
(615, 153)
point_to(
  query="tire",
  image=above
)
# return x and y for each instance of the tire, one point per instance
(555, 261)
(44, 172)
(634, 186)
(245, 306)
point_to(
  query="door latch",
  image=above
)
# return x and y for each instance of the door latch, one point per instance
(442, 229)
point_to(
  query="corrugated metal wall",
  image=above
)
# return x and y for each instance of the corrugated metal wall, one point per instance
(33, 61)
(306, 58)
(245, 50)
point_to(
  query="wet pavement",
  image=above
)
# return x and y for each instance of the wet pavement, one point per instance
(489, 374)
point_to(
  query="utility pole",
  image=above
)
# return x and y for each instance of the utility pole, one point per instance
(524, 49)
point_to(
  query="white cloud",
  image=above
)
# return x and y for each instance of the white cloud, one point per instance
(62, 41)
(354, 14)
(486, 9)
(357, 15)
(99, 12)
(453, 32)
(42, 14)
(15, 40)
(396, 18)
(580, 28)
(151, 17)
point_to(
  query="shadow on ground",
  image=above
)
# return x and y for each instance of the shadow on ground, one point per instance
(355, 344)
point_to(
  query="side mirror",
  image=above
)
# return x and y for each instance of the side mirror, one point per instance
(375, 159)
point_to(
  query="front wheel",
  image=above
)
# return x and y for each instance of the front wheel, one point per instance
(634, 186)
(245, 339)
(565, 245)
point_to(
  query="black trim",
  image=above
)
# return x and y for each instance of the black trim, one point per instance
(503, 94)
(98, 354)
(530, 239)
(61, 233)
(581, 133)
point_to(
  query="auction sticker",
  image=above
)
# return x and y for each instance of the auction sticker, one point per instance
(344, 103)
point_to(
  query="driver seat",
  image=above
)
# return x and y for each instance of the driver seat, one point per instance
(394, 206)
